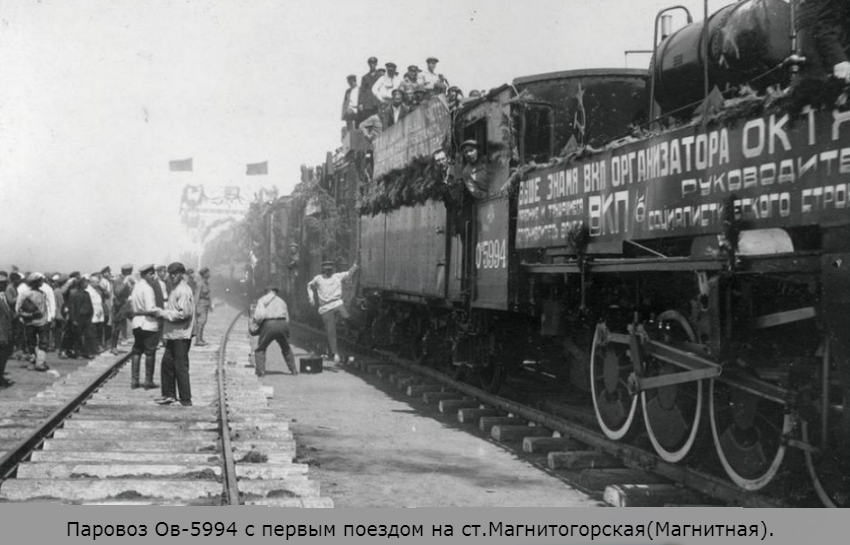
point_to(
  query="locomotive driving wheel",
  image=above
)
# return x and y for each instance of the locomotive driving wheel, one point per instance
(748, 432)
(672, 413)
(610, 367)
(490, 369)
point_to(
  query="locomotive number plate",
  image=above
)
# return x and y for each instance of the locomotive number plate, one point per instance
(491, 254)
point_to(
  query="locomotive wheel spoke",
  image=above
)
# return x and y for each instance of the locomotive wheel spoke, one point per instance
(748, 435)
(672, 413)
(614, 406)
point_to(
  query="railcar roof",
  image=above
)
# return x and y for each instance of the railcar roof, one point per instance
(589, 72)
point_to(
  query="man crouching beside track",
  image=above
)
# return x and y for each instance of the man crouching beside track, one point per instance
(328, 286)
(272, 317)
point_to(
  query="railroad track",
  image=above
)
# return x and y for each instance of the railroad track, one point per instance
(106, 444)
(565, 445)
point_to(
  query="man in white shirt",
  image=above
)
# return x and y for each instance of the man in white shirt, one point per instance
(272, 315)
(328, 289)
(386, 84)
(145, 328)
(350, 103)
(431, 81)
(99, 317)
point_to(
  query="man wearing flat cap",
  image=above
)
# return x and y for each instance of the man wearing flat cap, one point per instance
(122, 309)
(395, 111)
(430, 80)
(146, 325)
(272, 316)
(80, 312)
(179, 315)
(386, 84)
(367, 103)
(350, 103)
(203, 305)
(328, 291)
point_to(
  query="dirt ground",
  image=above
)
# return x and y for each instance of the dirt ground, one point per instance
(374, 449)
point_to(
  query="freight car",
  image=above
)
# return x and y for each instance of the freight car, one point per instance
(684, 272)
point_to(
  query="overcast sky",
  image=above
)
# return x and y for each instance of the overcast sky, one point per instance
(97, 96)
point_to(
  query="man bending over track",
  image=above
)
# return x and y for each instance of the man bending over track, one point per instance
(272, 316)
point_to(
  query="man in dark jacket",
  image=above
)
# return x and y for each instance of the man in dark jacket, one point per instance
(367, 101)
(7, 315)
(81, 311)
(122, 287)
(396, 110)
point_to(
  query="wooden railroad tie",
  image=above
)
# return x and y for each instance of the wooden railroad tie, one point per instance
(508, 433)
(473, 416)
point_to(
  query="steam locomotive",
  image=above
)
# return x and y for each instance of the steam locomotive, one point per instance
(682, 256)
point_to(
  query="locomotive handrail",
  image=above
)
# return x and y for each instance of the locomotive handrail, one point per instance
(654, 54)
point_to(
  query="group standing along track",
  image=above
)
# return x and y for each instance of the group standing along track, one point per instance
(105, 443)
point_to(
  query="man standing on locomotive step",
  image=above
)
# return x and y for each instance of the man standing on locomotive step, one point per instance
(179, 316)
(145, 328)
(474, 174)
(272, 315)
(328, 287)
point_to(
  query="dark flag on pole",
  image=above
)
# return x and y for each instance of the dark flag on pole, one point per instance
(256, 169)
(181, 165)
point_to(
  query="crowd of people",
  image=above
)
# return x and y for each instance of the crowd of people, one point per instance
(384, 96)
(82, 315)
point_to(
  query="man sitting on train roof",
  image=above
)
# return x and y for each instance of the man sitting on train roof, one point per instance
(372, 126)
(395, 111)
(474, 175)
(419, 96)
(430, 80)
(455, 97)
(408, 84)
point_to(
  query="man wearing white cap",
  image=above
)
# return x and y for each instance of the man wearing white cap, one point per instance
(145, 328)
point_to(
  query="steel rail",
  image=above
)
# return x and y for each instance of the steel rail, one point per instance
(9, 462)
(231, 485)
